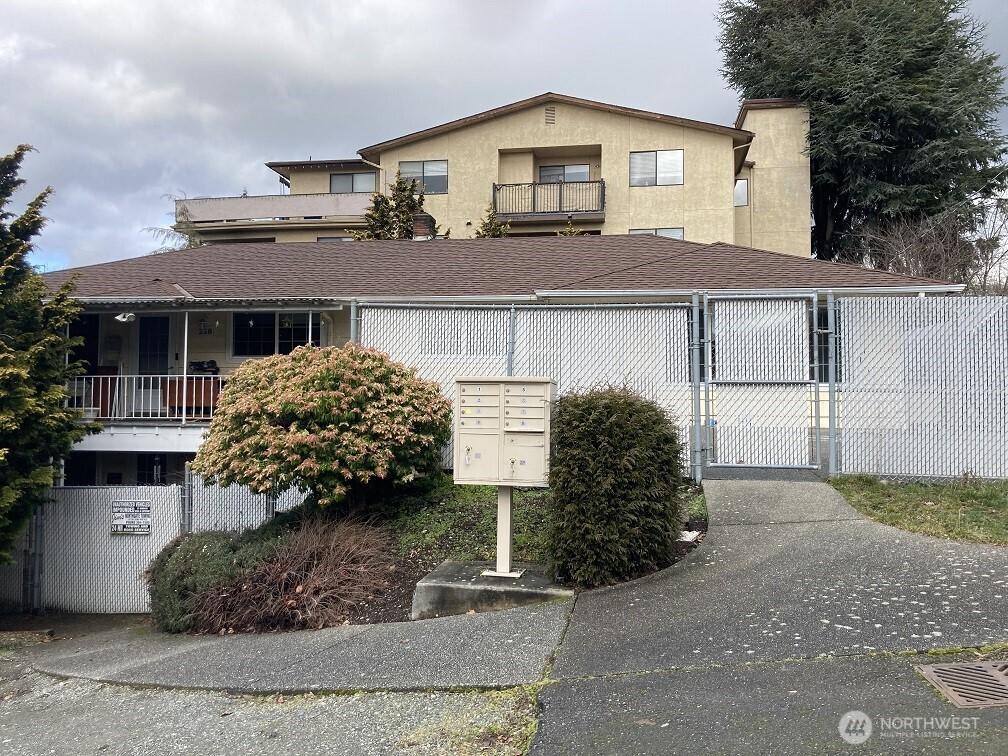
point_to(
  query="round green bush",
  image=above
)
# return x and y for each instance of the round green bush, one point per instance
(616, 475)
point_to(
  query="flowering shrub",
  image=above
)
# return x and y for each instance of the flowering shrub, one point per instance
(332, 421)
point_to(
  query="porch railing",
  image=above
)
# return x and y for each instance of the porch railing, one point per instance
(145, 397)
(561, 197)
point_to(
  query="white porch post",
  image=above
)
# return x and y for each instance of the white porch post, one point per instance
(310, 342)
(185, 365)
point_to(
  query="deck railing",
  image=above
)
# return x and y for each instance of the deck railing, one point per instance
(271, 207)
(145, 397)
(552, 198)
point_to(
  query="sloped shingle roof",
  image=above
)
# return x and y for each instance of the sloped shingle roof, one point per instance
(450, 268)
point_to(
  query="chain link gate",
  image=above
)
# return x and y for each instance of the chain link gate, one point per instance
(761, 382)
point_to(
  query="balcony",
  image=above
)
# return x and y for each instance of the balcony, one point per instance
(553, 201)
(131, 398)
(271, 208)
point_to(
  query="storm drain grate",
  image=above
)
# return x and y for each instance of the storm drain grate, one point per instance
(970, 684)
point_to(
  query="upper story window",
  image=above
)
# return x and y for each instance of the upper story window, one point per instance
(348, 183)
(670, 233)
(741, 192)
(550, 174)
(656, 168)
(431, 175)
(260, 334)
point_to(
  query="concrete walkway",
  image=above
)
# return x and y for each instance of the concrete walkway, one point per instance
(492, 650)
(771, 631)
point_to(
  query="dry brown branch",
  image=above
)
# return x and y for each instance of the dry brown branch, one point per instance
(315, 578)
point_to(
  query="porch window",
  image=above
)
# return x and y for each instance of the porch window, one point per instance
(260, 334)
(254, 334)
(656, 168)
(292, 331)
(430, 175)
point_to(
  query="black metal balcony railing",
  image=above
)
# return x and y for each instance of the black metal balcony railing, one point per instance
(561, 197)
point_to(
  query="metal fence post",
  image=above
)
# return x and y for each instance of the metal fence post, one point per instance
(354, 322)
(186, 523)
(832, 377)
(511, 341)
(817, 406)
(38, 559)
(707, 375)
(271, 502)
(695, 350)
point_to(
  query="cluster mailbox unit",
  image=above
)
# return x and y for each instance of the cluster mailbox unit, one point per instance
(502, 438)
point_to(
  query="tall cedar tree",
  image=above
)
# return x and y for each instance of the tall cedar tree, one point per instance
(902, 98)
(490, 226)
(37, 429)
(391, 215)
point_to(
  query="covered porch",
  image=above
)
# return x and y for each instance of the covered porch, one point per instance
(157, 365)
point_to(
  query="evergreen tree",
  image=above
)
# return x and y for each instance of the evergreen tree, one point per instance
(490, 226)
(37, 429)
(570, 230)
(902, 98)
(391, 215)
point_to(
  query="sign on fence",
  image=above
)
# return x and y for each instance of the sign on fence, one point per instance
(132, 517)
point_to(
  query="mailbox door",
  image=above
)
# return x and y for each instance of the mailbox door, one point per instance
(478, 456)
(524, 457)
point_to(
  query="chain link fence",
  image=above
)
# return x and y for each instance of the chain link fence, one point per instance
(902, 387)
(922, 391)
(76, 557)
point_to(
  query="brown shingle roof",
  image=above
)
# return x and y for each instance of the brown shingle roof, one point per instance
(457, 268)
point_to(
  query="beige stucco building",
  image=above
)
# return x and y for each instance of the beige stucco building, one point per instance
(548, 160)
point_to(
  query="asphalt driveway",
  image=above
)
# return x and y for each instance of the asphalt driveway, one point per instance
(791, 614)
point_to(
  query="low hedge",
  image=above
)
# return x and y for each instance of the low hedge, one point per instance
(299, 570)
(618, 491)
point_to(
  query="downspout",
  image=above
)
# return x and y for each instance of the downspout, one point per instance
(354, 322)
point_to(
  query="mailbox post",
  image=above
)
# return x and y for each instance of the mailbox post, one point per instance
(502, 438)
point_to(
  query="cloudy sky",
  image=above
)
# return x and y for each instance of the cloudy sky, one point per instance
(127, 102)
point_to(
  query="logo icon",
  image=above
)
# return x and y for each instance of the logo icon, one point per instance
(855, 727)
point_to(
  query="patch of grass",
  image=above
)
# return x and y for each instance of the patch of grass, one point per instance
(460, 523)
(497, 722)
(696, 505)
(967, 510)
(993, 650)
